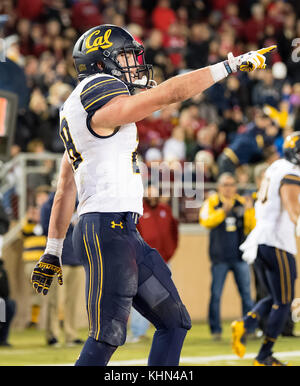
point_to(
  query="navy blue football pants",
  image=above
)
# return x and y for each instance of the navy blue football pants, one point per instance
(278, 270)
(123, 270)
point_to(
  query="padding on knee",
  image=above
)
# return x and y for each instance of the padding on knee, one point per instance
(113, 332)
(173, 315)
(113, 320)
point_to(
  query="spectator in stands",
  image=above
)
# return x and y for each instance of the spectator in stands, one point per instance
(85, 15)
(156, 52)
(254, 27)
(243, 178)
(236, 94)
(198, 46)
(206, 159)
(206, 110)
(286, 35)
(205, 139)
(266, 91)
(190, 123)
(72, 276)
(174, 148)
(163, 16)
(174, 44)
(30, 9)
(41, 120)
(137, 14)
(158, 226)
(229, 218)
(231, 15)
(34, 180)
(232, 123)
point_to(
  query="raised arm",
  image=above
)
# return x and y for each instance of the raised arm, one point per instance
(124, 109)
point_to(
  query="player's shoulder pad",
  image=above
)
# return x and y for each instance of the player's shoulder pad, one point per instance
(100, 90)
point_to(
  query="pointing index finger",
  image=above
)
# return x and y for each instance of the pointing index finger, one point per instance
(265, 50)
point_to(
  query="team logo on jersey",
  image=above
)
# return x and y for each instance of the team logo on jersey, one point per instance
(93, 41)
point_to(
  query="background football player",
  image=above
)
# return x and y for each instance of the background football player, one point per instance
(273, 242)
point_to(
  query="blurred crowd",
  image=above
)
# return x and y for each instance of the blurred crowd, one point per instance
(232, 126)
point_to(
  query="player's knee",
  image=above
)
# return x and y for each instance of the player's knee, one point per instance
(112, 326)
(113, 332)
(178, 318)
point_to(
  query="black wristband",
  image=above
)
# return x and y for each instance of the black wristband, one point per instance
(227, 66)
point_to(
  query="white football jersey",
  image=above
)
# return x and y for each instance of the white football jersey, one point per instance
(105, 168)
(273, 224)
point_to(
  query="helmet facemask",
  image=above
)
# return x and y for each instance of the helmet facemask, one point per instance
(134, 72)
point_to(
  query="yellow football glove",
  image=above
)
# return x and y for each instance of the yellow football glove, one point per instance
(250, 61)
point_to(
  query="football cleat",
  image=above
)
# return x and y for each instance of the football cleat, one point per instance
(269, 361)
(238, 338)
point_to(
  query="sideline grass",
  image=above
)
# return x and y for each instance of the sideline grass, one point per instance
(29, 348)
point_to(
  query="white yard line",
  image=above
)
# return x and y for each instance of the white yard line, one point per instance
(206, 359)
(199, 360)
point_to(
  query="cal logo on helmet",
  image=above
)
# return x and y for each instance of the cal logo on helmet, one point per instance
(291, 148)
(291, 141)
(94, 41)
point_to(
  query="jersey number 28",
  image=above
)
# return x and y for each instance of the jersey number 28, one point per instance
(65, 135)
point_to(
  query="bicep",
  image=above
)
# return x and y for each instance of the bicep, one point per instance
(127, 109)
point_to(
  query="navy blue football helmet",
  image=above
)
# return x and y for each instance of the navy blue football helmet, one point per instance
(291, 148)
(103, 44)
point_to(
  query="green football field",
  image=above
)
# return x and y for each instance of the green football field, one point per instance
(29, 349)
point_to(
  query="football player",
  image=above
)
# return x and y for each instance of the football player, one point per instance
(97, 126)
(273, 241)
